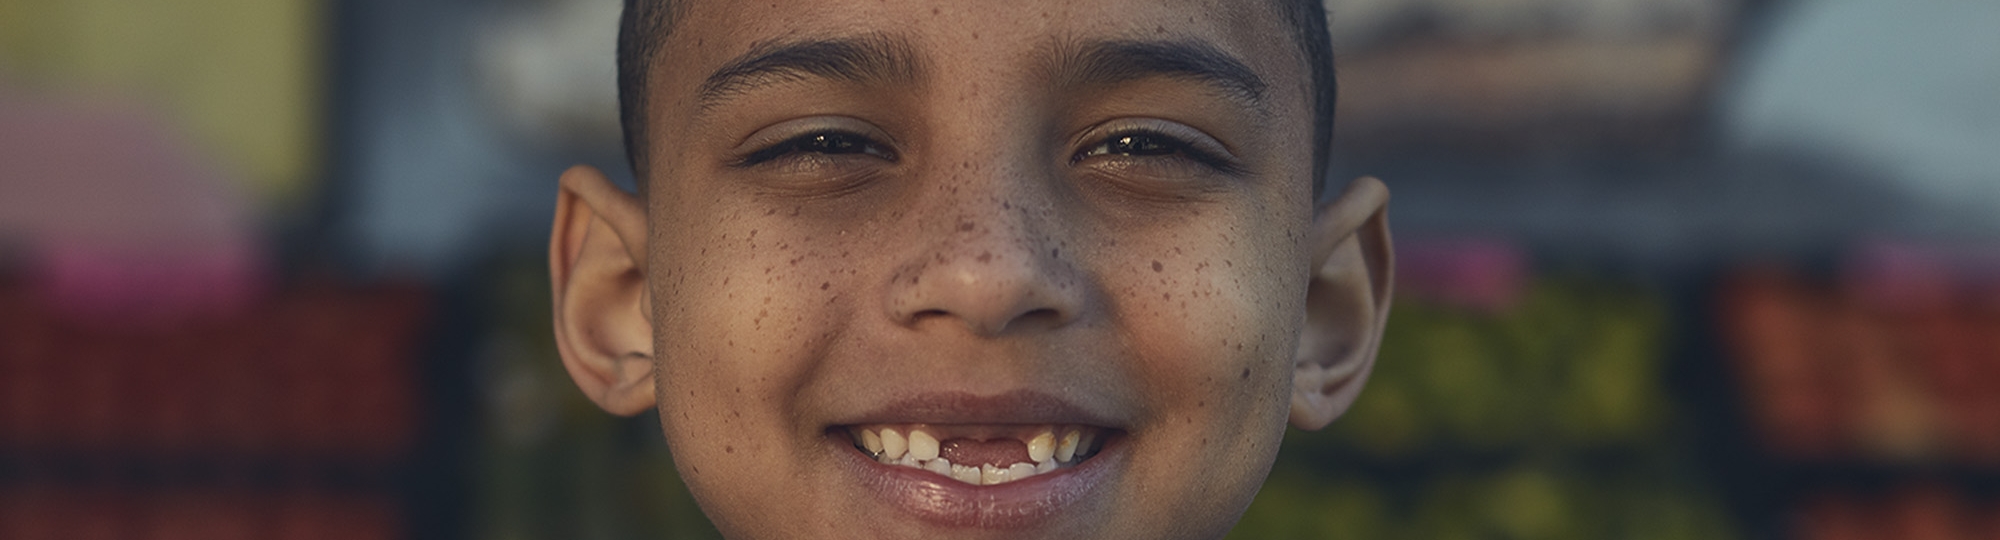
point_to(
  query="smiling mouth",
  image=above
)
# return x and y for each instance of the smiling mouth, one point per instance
(980, 455)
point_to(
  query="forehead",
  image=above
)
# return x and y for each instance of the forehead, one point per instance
(709, 33)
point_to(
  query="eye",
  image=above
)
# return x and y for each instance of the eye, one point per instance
(1137, 144)
(823, 143)
(1148, 144)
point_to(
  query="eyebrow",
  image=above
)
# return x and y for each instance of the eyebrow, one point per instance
(868, 59)
(1118, 61)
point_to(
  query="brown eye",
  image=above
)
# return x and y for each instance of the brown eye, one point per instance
(1146, 144)
(823, 143)
(1140, 144)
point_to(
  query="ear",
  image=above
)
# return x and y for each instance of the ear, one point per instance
(1347, 303)
(597, 261)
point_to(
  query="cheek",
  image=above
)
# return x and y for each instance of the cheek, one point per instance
(1217, 324)
(743, 312)
(1213, 334)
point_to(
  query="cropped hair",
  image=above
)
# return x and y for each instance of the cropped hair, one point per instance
(643, 29)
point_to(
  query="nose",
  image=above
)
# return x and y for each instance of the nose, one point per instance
(997, 269)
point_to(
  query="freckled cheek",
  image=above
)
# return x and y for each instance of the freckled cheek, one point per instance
(1213, 342)
(740, 327)
(1217, 376)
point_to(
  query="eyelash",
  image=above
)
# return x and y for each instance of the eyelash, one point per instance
(846, 143)
(1168, 145)
(843, 142)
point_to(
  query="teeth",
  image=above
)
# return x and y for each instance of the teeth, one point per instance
(872, 442)
(1067, 449)
(1042, 447)
(967, 474)
(893, 445)
(1020, 471)
(920, 450)
(924, 447)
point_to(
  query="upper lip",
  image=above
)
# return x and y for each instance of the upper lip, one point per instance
(1014, 407)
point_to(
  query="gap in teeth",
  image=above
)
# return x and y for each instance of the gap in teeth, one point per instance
(1050, 447)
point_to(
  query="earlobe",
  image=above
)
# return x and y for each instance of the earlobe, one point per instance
(1347, 303)
(603, 325)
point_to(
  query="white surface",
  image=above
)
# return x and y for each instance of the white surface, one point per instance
(1905, 92)
(1355, 22)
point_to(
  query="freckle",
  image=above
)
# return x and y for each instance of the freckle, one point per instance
(1246, 371)
(1055, 253)
(769, 211)
(823, 286)
(985, 256)
(1004, 205)
(934, 11)
(967, 226)
(739, 389)
(1157, 267)
(726, 449)
(1166, 296)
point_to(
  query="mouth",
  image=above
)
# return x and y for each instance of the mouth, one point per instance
(961, 462)
(979, 455)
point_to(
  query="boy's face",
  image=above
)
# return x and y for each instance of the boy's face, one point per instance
(976, 223)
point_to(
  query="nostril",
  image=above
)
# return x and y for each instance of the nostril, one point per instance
(1043, 318)
(1042, 314)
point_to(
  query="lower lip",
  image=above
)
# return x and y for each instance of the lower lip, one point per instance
(951, 503)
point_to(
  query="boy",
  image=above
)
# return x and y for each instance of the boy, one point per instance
(927, 269)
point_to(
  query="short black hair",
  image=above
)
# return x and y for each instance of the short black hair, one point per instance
(643, 29)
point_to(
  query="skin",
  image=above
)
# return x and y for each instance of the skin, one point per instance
(757, 306)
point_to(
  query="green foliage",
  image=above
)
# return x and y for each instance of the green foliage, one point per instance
(1573, 364)
(1547, 421)
(1517, 502)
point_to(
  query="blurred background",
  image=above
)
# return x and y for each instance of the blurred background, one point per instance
(1718, 269)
